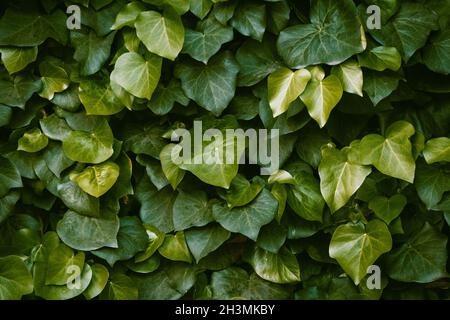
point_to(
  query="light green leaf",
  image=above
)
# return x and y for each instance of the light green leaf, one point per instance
(284, 86)
(155, 240)
(90, 147)
(340, 178)
(436, 150)
(321, 96)
(128, 15)
(32, 141)
(100, 275)
(98, 98)
(387, 209)
(162, 34)
(171, 171)
(97, 180)
(350, 75)
(248, 219)
(16, 59)
(391, 154)
(358, 246)
(213, 85)
(60, 260)
(175, 248)
(242, 191)
(137, 75)
(54, 77)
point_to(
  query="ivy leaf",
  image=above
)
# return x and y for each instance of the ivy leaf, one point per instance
(155, 240)
(200, 8)
(333, 36)
(248, 219)
(391, 154)
(213, 85)
(91, 51)
(171, 171)
(100, 275)
(54, 77)
(88, 233)
(16, 59)
(137, 75)
(164, 98)
(18, 90)
(284, 86)
(431, 183)
(281, 267)
(408, 30)
(437, 150)
(98, 98)
(339, 177)
(358, 246)
(350, 75)
(131, 239)
(204, 42)
(9, 176)
(15, 279)
(421, 259)
(32, 141)
(202, 241)
(381, 58)
(242, 191)
(250, 19)
(321, 96)
(379, 85)
(93, 147)
(128, 15)
(162, 34)
(77, 200)
(436, 55)
(175, 248)
(97, 180)
(387, 209)
(191, 209)
(30, 29)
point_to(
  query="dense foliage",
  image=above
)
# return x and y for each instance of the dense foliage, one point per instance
(87, 181)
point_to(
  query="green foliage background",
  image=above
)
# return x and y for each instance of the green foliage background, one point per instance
(87, 182)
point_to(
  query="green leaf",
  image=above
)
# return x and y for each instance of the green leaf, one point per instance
(18, 90)
(256, 61)
(131, 239)
(202, 241)
(304, 197)
(137, 75)
(155, 240)
(9, 176)
(60, 260)
(205, 41)
(128, 15)
(98, 98)
(340, 178)
(162, 34)
(436, 150)
(16, 59)
(381, 58)
(272, 237)
(88, 233)
(200, 8)
(408, 30)
(387, 209)
(32, 141)
(191, 209)
(350, 75)
(421, 259)
(15, 279)
(436, 55)
(431, 183)
(333, 36)
(54, 127)
(164, 98)
(77, 200)
(242, 191)
(91, 51)
(248, 219)
(175, 248)
(279, 268)
(379, 85)
(100, 275)
(171, 171)
(284, 86)
(90, 147)
(97, 180)
(358, 246)
(120, 287)
(321, 96)
(30, 29)
(391, 154)
(213, 85)
(250, 19)
(54, 77)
